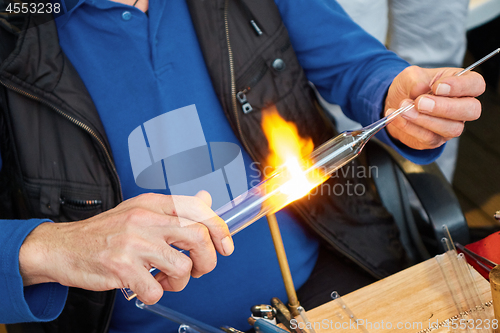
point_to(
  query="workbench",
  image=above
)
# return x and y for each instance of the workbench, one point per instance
(417, 299)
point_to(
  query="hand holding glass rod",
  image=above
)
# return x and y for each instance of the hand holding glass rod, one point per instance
(399, 111)
(283, 187)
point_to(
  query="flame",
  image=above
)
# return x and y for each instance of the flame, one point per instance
(283, 137)
(286, 151)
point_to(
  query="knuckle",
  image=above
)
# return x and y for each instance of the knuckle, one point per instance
(432, 139)
(412, 70)
(181, 263)
(183, 266)
(141, 198)
(436, 141)
(171, 220)
(151, 294)
(207, 265)
(219, 228)
(133, 213)
(147, 196)
(138, 216)
(119, 264)
(145, 199)
(201, 235)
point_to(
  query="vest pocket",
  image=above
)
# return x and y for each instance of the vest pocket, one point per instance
(60, 203)
(270, 76)
(79, 205)
(78, 208)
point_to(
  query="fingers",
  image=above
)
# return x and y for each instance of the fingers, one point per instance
(185, 222)
(148, 290)
(116, 249)
(413, 135)
(193, 227)
(461, 109)
(192, 209)
(445, 128)
(169, 283)
(469, 84)
(438, 118)
(197, 240)
(195, 209)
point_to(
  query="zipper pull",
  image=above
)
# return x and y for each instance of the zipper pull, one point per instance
(251, 19)
(242, 98)
(255, 27)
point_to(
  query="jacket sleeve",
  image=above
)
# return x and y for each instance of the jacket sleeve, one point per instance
(42, 302)
(348, 66)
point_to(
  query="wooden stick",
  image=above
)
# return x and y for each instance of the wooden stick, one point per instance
(293, 301)
(495, 293)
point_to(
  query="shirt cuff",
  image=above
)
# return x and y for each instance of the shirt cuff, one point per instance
(374, 105)
(425, 156)
(42, 302)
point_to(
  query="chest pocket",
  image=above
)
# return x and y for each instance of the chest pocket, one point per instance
(270, 76)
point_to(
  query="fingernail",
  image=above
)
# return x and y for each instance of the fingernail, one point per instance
(411, 114)
(426, 104)
(443, 89)
(405, 103)
(227, 245)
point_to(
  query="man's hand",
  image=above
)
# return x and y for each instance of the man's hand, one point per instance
(117, 248)
(439, 116)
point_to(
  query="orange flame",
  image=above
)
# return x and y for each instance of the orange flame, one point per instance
(286, 151)
(283, 137)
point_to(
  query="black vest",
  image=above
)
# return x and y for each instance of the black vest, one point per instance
(57, 162)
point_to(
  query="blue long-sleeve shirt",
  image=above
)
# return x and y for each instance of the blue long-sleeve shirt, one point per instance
(137, 67)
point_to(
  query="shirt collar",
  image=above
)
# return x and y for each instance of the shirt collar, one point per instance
(69, 7)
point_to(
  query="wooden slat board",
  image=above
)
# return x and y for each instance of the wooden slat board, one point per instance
(414, 297)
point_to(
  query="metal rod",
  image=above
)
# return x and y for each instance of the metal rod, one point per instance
(293, 301)
(479, 62)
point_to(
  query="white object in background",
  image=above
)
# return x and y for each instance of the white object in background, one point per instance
(481, 12)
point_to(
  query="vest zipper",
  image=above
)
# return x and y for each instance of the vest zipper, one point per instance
(242, 98)
(245, 145)
(78, 123)
(246, 107)
(86, 128)
(233, 80)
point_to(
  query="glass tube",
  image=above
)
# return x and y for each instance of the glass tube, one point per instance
(193, 325)
(282, 187)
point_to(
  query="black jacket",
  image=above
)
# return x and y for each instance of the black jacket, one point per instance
(57, 162)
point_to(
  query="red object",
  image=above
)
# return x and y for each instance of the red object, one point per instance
(488, 248)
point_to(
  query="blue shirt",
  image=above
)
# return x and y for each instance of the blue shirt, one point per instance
(137, 67)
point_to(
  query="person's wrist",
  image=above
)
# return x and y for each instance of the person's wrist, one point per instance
(34, 258)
